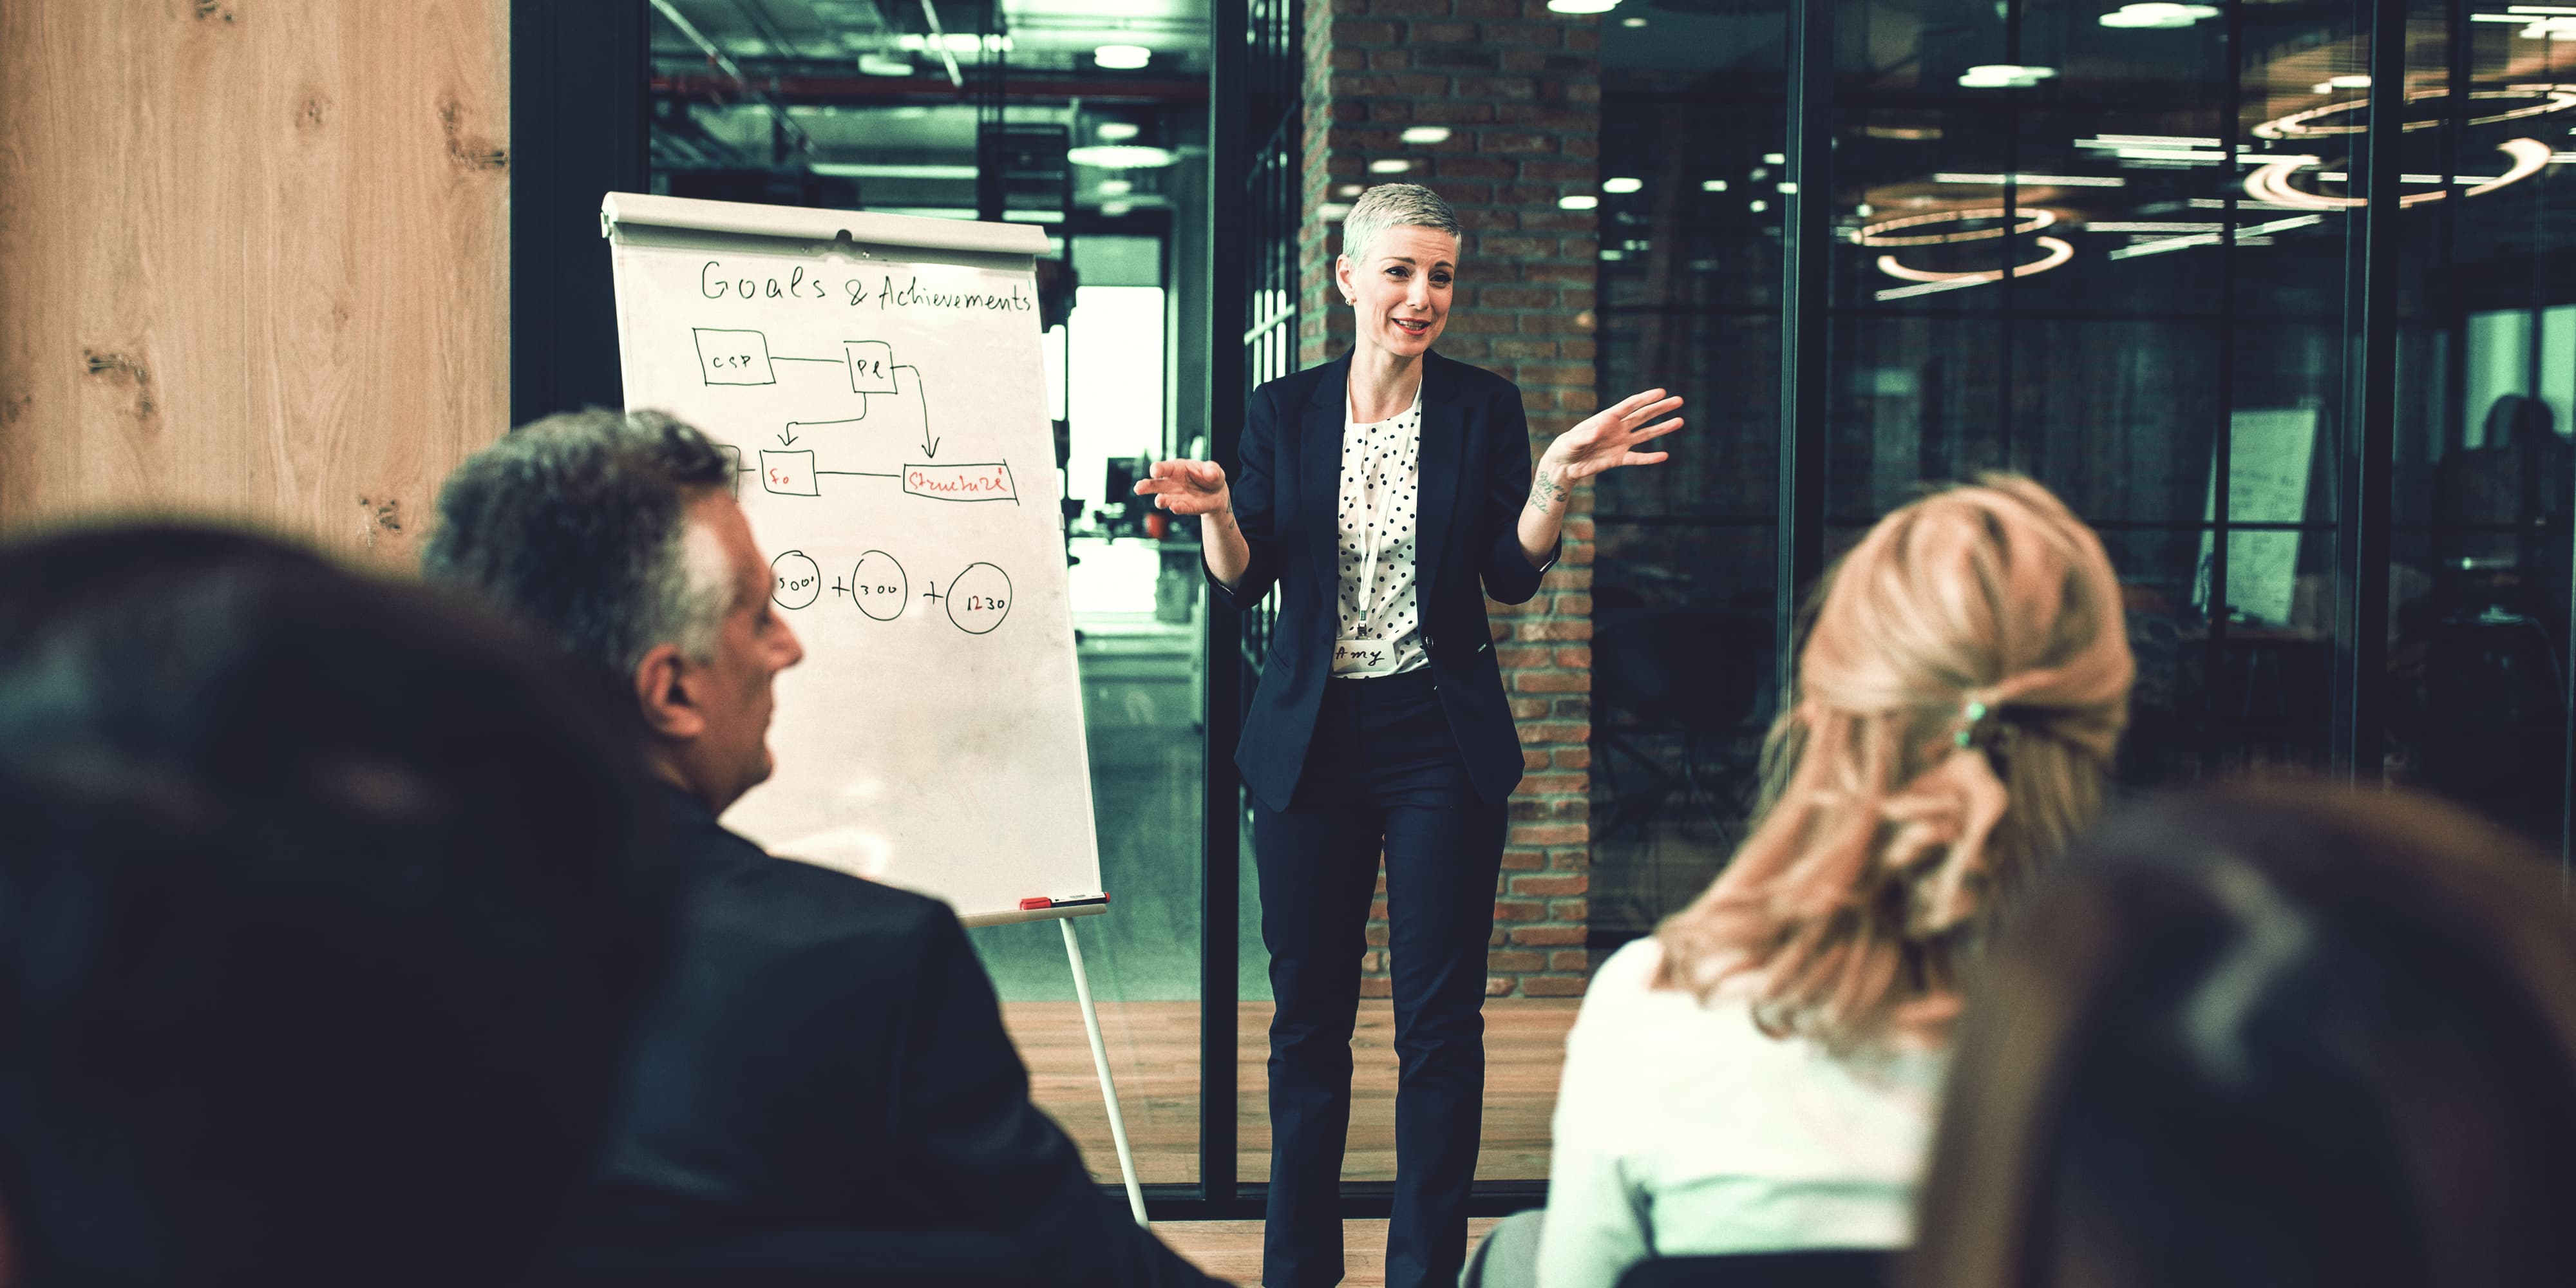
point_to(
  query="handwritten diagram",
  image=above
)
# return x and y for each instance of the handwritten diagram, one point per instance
(740, 357)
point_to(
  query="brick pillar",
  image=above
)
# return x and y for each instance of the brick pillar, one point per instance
(1519, 90)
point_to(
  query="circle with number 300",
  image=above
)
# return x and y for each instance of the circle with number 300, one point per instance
(879, 586)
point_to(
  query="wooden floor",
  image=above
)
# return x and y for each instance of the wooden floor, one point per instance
(1154, 1057)
(1231, 1250)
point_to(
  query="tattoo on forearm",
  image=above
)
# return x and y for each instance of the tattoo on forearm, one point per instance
(1545, 492)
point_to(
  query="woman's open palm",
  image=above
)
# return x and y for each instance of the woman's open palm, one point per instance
(1609, 439)
(1186, 487)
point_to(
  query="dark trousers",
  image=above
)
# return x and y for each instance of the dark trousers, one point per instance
(1383, 773)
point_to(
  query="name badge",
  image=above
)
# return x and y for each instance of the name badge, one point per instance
(1363, 657)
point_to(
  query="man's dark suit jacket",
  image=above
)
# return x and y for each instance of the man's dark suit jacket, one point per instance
(829, 1056)
(1287, 489)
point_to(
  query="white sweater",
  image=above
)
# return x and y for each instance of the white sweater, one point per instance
(1682, 1129)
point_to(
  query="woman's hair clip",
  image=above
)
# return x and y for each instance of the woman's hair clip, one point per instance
(1975, 724)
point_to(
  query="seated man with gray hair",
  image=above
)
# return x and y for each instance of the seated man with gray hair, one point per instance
(827, 1078)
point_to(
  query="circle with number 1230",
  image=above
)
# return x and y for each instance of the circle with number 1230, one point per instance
(979, 598)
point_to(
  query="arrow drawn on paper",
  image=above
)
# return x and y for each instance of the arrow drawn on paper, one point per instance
(788, 437)
(921, 398)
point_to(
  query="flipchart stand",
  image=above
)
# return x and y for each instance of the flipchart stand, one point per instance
(936, 320)
(1063, 913)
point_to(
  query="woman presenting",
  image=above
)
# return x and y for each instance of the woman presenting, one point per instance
(1385, 494)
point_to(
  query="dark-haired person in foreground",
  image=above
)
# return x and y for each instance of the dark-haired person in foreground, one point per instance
(2274, 1038)
(323, 923)
(830, 1056)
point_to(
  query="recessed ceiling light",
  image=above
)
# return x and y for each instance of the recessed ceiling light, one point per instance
(2004, 76)
(1116, 187)
(1122, 58)
(1775, 158)
(1116, 131)
(1120, 156)
(1622, 184)
(1333, 211)
(1114, 209)
(1349, 190)
(1632, 22)
(880, 65)
(1389, 165)
(1425, 134)
(1712, 185)
(2153, 14)
(1582, 6)
(1759, 206)
(1579, 201)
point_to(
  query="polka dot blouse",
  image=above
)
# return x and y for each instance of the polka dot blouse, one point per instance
(1381, 487)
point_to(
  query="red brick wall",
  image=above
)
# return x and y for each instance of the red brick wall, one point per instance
(1519, 89)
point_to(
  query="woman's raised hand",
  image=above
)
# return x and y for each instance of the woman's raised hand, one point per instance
(1187, 487)
(1609, 438)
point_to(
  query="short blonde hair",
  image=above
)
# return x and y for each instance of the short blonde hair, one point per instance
(1959, 697)
(1394, 205)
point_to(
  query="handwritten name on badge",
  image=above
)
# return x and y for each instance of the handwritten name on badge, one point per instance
(1361, 657)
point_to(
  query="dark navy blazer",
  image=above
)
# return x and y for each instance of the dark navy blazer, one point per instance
(1475, 479)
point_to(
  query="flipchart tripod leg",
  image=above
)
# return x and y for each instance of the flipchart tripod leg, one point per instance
(1100, 1061)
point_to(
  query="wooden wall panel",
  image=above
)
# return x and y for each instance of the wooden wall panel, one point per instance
(253, 259)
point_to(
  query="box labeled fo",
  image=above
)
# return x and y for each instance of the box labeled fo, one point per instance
(788, 473)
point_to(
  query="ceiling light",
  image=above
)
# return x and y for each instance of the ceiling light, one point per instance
(1117, 131)
(2146, 141)
(955, 42)
(1712, 185)
(1116, 187)
(1122, 58)
(2154, 14)
(2004, 76)
(1774, 158)
(1120, 156)
(2538, 99)
(2053, 252)
(2271, 181)
(1632, 22)
(2037, 180)
(1883, 232)
(1425, 134)
(1333, 211)
(1579, 201)
(1622, 185)
(1389, 165)
(1582, 6)
(880, 65)
(2171, 154)
(1861, 210)
(1349, 190)
(1760, 206)
(1113, 209)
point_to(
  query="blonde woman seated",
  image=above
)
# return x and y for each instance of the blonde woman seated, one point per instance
(1760, 1076)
